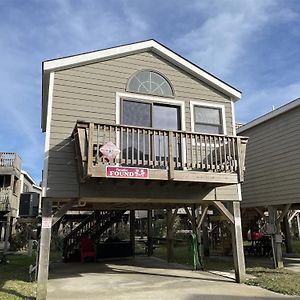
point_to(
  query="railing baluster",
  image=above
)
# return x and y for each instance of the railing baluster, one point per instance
(196, 151)
(177, 149)
(183, 151)
(144, 147)
(205, 151)
(109, 133)
(229, 154)
(132, 146)
(171, 158)
(234, 154)
(138, 146)
(192, 155)
(154, 148)
(210, 153)
(121, 145)
(164, 143)
(127, 146)
(159, 148)
(225, 153)
(97, 150)
(149, 146)
(201, 154)
(216, 156)
(220, 154)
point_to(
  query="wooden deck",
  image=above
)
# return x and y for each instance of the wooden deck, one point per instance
(158, 154)
(9, 163)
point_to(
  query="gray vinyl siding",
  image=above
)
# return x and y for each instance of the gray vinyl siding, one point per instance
(89, 93)
(273, 161)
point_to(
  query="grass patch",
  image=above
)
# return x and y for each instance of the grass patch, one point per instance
(14, 278)
(280, 281)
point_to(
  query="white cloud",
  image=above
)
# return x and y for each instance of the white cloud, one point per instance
(218, 43)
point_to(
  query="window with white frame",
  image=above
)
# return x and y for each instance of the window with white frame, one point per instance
(208, 119)
(150, 82)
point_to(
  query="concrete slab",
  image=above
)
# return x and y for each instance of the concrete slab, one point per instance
(145, 278)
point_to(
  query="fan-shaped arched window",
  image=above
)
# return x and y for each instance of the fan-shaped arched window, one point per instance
(149, 82)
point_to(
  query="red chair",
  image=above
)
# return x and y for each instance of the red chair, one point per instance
(87, 249)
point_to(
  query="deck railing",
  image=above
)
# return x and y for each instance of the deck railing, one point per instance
(5, 197)
(10, 159)
(162, 149)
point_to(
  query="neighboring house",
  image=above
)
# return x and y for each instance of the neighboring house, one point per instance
(10, 186)
(272, 178)
(31, 195)
(14, 183)
(139, 127)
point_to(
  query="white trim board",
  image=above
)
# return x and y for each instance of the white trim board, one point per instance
(47, 137)
(270, 115)
(207, 104)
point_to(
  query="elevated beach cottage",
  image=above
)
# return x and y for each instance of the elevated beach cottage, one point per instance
(138, 127)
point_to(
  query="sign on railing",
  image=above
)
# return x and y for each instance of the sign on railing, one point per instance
(127, 172)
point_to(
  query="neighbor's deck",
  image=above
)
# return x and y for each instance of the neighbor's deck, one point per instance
(162, 154)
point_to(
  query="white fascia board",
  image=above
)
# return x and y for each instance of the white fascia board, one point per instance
(269, 115)
(169, 55)
(197, 72)
(28, 177)
(47, 137)
(37, 187)
(95, 56)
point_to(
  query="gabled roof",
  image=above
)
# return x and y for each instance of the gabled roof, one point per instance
(278, 111)
(119, 51)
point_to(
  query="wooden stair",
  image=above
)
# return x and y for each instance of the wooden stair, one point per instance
(94, 225)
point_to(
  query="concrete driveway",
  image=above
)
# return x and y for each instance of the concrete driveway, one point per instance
(145, 278)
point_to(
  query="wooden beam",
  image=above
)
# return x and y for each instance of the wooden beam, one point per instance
(170, 235)
(188, 213)
(221, 207)
(287, 233)
(237, 243)
(150, 233)
(294, 213)
(7, 233)
(261, 213)
(283, 213)
(298, 225)
(276, 238)
(61, 211)
(132, 229)
(194, 220)
(45, 240)
(201, 218)
(174, 215)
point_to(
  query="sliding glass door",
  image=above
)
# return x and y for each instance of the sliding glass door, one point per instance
(150, 115)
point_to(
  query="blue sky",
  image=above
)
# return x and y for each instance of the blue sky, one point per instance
(252, 45)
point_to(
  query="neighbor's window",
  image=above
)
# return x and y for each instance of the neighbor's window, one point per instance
(25, 188)
(208, 119)
(149, 82)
